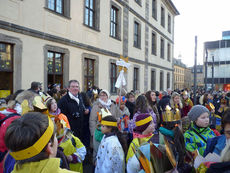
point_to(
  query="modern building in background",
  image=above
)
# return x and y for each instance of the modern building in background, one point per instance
(53, 41)
(217, 61)
(179, 74)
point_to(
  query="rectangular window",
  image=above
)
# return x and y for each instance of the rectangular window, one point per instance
(153, 80)
(6, 67)
(161, 81)
(90, 13)
(136, 79)
(169, 23)
(88, 73)
(162, 48)
(168, 80)
(169, 52)
(55, 68)
(154, 9)
(162, 17)
(56, 5)
(136, 35)
(114, 22)
(113, 77)
(154, 44)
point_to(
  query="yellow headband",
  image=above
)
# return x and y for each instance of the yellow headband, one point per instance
(37, 147)
(144, 121)
(109, 123)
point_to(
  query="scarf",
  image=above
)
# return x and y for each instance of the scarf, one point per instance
(106, 105)
(137, 135)
(74, 97)
(57, 112)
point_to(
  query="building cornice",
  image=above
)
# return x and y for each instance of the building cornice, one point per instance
(45, 36)
(124, 4)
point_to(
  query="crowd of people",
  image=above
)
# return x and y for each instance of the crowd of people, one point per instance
(65, 129)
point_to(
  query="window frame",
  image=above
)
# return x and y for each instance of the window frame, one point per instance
(87, 77)
(113, 77)
(55, 7)
(136, 78)
(153, 79)
(169, 23)
(9, 72)
(65, 8)
(54, 74)
(169, 52)
(168, 80)
(162, 16)
(154, 44)
(162, 48)
(154, 9)
(93, 10)
(161, 80)
(114, 10)
(137, 35)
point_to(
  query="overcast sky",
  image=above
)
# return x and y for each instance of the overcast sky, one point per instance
(204, 18)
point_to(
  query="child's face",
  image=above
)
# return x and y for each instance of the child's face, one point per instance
(105, 129)
(176, 99)
(122, 107)
(131, 98)
(53, 106)
(203, 120)
(150, 129)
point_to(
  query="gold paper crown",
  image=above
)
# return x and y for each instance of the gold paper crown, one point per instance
(223, 101)
(170, 115)
(185, 93)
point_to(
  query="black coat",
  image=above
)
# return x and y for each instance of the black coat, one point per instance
(131, 107)
(163, 103)
(74, 113)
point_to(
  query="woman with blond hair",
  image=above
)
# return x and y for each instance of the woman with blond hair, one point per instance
(175, 102)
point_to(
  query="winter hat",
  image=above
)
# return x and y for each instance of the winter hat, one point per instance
(106, 92)
(142, 121)
(196, 111)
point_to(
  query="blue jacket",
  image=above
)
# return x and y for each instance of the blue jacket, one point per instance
(215, 145)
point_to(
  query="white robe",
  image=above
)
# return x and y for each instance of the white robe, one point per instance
(110, 156)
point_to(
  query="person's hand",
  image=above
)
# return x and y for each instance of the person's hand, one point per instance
(86, 111)
(69, 158)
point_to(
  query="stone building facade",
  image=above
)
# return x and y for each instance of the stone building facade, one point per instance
(179, 74)
(53, 41)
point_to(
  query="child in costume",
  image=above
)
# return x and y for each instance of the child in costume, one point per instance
(124, 119)
(187, 103)
(54, 111)
(72, 147)
(32, 142)
(219, 145)
(110, 156)
(171, 132)
(143, 132)
(199, 132)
